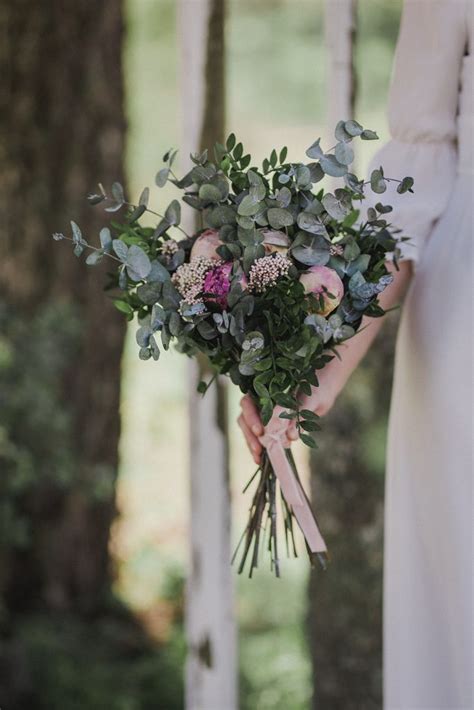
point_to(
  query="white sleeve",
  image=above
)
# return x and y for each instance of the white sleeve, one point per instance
(422, 110)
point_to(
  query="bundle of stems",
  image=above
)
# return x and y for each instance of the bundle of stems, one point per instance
(261, 529)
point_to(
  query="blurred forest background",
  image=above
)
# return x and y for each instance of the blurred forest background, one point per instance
(89, 622)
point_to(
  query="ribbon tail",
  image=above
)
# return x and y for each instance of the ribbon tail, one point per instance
(295, 496)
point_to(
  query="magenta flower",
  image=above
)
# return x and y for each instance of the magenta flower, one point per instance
(217, 284)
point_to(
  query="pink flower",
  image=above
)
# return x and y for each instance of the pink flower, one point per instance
(320, 280)
(275, 241)
(217, 284)
(206, 245)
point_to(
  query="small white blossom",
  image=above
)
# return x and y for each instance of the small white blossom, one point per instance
(265, 272)
(336, 250)
(169, 248)
(189, 278)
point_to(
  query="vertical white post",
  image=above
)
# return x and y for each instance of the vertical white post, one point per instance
(211, 668)
(340, 25)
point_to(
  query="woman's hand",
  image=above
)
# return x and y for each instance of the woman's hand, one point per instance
(333, 377)
(320, 402)
(251, 425)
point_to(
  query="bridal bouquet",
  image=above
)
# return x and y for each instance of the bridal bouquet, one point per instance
(275, 277)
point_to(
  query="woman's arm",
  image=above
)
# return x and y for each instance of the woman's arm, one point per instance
(334, 376)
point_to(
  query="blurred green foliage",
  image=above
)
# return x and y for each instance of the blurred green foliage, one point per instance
(33, 353)
(53, 661)
(59, 662)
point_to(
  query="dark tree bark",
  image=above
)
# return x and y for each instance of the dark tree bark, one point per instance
(61, 131)
(345, 601)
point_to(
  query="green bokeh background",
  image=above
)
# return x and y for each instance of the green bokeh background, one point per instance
(277, 93)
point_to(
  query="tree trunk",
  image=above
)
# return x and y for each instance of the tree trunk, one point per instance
(345, 601)
(340, 26)
(345, 609)
(211, 665)
(61, 131)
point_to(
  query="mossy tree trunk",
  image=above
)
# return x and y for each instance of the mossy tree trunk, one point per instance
(61, 130)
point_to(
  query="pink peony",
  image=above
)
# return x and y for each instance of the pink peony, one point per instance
(217, 284)
(275, 241)
(324, 281)
(206, 245)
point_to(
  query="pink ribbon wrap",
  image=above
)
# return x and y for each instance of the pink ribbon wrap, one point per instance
(275, 441)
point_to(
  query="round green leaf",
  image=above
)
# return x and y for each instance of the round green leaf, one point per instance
(209, 193)
(278, 217)
(344, 153)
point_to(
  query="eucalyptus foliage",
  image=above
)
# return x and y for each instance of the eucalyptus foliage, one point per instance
(270, 343)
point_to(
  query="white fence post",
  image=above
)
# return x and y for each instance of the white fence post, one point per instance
(211, 668)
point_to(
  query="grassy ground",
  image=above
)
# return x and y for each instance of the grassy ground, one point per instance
(276, 96)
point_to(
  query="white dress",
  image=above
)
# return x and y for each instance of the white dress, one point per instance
(428, 560)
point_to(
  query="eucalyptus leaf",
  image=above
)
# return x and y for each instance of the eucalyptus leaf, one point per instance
(315, 151)
(279, 217)
(354, 184)
(344, 153)
(142, 336)
(320, 325)
(173, 213)
(144, 197)
(316, 172)
(353, 128)
(361, 263)
(351, 250)
(105, 238)
(311, 250)
(258, 192)
(383, 209)
(117, 193)
(249, 206)
(309, 222)
(340, 132)
(206, 330)
(154, 349)
(76, 233)
(368, 135)
(405, 185)
(136, 213)
(94, 258)
(377, 181)
(138, 261)
(120, 248)
(338, 205)
(332, 166)
(221, 215)
(283, 197)
(158, 273)
(149, 293)
(303, 176)
(209, 193)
